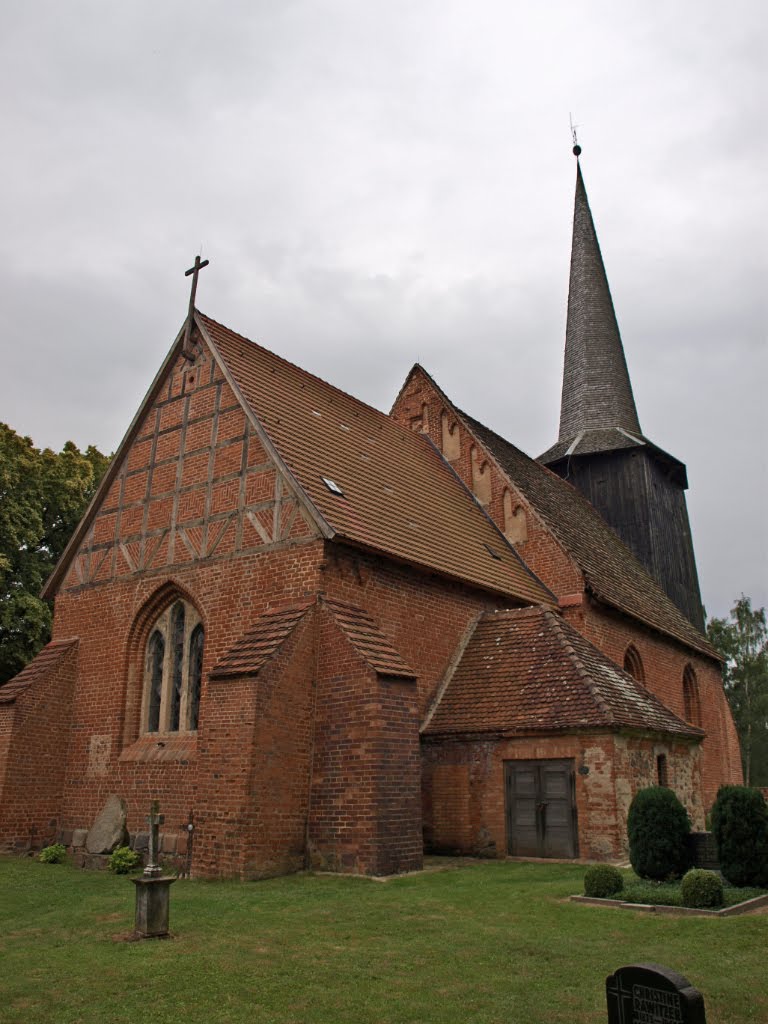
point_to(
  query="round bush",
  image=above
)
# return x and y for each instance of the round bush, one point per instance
(701, 888)
(124, 860)
(603, 881)
(55, 854)
(658, 827)
(740, 825)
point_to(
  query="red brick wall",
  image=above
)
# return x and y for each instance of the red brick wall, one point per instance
(540, 551)
(253, 768)
(664, 662)
(113, 622)
(365, 811)
(33, 741)
(464, 798)
(423, 615)
(421, 406)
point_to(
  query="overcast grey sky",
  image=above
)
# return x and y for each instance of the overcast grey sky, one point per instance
(376, 183)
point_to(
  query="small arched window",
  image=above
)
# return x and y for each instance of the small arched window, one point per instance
(633, 664)
(173, 671)
(691, 702)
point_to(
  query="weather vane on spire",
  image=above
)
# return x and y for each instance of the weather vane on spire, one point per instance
(576, 146)
(194, 271)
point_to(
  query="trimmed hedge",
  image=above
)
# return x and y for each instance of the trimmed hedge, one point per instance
(740, 825)
(658, 826)
(701, 888)
(603, 881)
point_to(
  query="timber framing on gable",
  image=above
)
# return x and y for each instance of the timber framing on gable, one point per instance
(195, 477)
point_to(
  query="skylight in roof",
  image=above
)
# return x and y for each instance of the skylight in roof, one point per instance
(332, 486)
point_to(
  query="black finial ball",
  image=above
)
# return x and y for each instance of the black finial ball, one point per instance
(577, 150)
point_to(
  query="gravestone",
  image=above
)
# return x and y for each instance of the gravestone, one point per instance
(108, 831)
(652, 994)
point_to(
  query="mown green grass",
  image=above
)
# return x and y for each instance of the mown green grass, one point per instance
(495, 943)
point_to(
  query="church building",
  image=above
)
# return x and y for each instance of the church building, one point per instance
(338, 639)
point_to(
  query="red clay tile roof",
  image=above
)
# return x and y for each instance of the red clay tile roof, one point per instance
(399, 496)
(45, 661)
(611, 571)
(527, 670)
(260, 644)
(366, 637)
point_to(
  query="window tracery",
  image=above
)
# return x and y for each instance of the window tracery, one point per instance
(173, 671)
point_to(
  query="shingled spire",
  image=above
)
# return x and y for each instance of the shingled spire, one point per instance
(597, 393)
(638, 488)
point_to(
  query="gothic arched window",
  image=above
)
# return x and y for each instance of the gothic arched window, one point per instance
(691, 702)
(173, 671)
(633, 664)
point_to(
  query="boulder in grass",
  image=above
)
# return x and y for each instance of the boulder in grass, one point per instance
(108, 831)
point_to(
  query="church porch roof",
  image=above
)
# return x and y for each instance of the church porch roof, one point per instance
(529, 671)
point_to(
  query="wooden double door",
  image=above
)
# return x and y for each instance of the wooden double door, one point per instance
(541, 808)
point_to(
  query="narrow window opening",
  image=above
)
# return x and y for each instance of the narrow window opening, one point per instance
(195, 674)
(661, 770)
(177, 678)
(633, 664)
(155, 672)
(691, 701)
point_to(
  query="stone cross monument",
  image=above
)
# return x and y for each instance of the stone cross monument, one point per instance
(153, 888)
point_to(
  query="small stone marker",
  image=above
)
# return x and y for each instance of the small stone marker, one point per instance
(153, 895)
(652, 994)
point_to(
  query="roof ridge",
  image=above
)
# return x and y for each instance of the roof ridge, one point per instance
(558, 622)
(233, 662)
(372, 644)
(450, 672)
(308, 373)
(42, 662)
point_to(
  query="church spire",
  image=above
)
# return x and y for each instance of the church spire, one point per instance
(597, 393)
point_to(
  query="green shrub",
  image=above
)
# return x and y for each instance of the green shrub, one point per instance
(124, 860)
(55, 854)
(658, 827)
(603, 881)
(740, 825)
(700, 888)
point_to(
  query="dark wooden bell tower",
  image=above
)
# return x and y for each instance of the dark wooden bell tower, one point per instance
(636, 486)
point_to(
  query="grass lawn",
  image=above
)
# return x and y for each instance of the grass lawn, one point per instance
(486, 944)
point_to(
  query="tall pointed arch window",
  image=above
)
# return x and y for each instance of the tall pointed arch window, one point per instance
(691, 702)
(633, 664)
(173, 671)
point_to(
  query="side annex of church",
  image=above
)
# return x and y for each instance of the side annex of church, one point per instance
(340, 639)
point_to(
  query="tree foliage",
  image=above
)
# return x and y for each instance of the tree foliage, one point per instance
(43, 494)
(742, 639)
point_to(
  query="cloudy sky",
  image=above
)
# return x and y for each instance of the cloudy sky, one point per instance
(379, 183)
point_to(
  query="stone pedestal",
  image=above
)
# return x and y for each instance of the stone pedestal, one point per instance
(152, 906)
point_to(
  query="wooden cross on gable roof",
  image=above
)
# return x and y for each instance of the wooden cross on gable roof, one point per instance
(194, 271)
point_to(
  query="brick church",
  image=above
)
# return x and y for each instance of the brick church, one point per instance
(341, 639)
